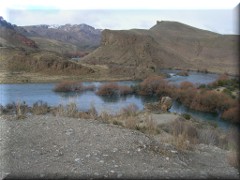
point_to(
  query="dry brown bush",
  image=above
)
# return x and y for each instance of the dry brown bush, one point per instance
(233, 159)
(151, 125)
(111, 89)
(231, 114)
(130, 110)
(40, 108)
(68, 86)
(208, 136)
(151, 85)
(130, 122)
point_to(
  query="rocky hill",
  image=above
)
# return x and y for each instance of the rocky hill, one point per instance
(137, 52)
(22, 55)
(11, 38)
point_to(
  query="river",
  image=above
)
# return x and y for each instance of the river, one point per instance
(31, 93)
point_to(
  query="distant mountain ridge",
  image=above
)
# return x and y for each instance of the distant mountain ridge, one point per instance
(80, 35)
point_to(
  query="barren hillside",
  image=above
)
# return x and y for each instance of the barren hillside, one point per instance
(166, 45)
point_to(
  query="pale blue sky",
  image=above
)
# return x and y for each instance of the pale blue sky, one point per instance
(214, 16)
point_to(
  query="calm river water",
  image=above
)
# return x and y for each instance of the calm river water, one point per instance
(30, 93)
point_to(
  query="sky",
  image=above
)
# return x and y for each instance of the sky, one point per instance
(219, 16)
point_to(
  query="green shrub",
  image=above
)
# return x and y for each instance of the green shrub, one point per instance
(186, 116)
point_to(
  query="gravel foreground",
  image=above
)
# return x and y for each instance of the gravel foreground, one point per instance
(48, 147)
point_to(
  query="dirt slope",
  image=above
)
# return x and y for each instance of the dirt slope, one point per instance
(57, 147)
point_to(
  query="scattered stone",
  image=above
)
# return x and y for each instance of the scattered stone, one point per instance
(88, 155)
(78, 160)
(96, 174)
(119, 175)
(69, 132)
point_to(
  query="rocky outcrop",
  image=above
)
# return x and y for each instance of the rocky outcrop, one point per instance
(162, 106)
(165, 103)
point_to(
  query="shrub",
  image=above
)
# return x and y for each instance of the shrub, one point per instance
(208, 136)
(233, 138)
(105, 117)
(151, 125)
(221, 80)
(9, 108)
(184, 132)
(186, 85)
(1, 109)
(231, 114)
(69, 111)
(209, 101)
(130, 110)
(21, 110)
(68, 86)
(233, 158)
(125, 90)
(40, 108)
(185, 93)
(131, 122)
(186, 116)
(177, 127)
(93, 112)
(181, 142)
(72, 86)
(183, 73)
(112, 89)
(150, 85)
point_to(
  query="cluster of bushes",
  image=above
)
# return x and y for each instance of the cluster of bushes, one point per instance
(112, 89)
(187, 133)
(196, 98)
(21, 109)
(225, 81)
(153, 85)
(72, 86)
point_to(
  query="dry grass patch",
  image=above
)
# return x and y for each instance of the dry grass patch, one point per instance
(40, 108)
(208, 136)
(21, 110)
(130, 122)
(233, 159)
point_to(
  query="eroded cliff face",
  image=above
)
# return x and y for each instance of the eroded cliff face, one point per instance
(167, 45)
